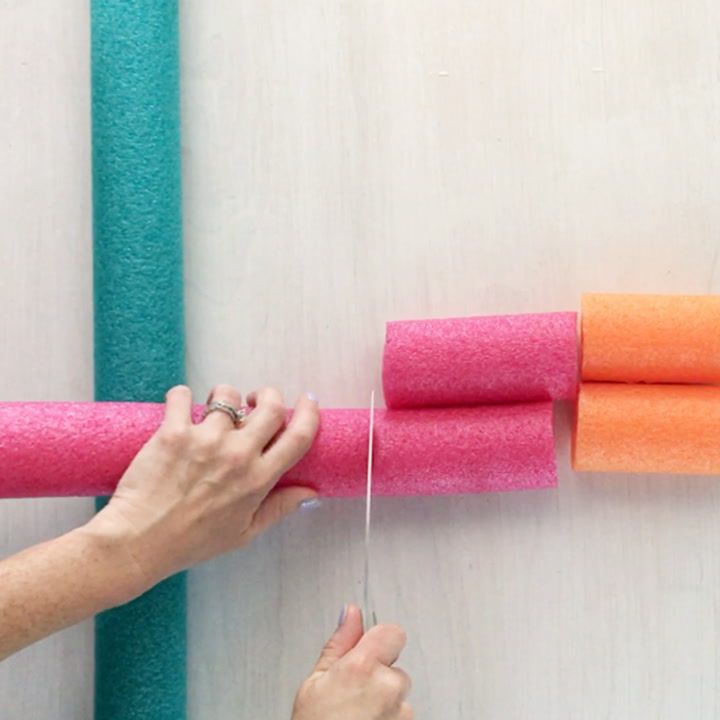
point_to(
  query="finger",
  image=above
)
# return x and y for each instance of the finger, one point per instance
(266, 419)
(401, 680)
(383, 643)
(406, 712)
(392, 685)
(178, 405)
(277, 505)
(219, 420)
(297, 438)
(343, 640)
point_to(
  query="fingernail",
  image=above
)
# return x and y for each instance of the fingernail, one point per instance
(343, 615)
(209, 397)
(310, 504)
(311, 396)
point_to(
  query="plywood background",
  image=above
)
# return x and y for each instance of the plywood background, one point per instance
(356, 161)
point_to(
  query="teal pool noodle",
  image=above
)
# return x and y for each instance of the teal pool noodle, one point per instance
(140, 648)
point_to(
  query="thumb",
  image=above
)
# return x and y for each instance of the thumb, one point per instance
(345, 638)
(277, 505)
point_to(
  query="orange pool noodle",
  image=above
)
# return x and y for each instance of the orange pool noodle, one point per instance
(648, 429)
(651, 338)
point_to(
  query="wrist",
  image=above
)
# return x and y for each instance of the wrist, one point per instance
(111, 560)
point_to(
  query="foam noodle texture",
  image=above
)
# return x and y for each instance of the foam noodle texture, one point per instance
(140, 648)
(138, 264)
(651, 338)
(648, 429)
(467, 361)
(83, 449)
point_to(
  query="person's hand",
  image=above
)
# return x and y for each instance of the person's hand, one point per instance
(354, 678)
(197, 491)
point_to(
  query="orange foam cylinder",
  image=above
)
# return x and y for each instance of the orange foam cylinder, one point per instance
(648, 429)
(651, 338)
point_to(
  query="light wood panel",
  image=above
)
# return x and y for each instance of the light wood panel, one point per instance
(352, 162)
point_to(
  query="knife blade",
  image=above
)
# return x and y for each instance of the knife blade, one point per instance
(369, 617)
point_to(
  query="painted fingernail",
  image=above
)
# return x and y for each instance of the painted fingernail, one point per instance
(311, 396)
(343, 615)
(310, 504)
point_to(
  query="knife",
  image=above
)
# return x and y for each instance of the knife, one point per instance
(369, 617)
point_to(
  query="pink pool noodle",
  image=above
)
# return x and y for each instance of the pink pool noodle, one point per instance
(80, 449)
(474, 360)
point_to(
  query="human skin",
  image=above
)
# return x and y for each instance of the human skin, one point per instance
(196, 491)
(192, 493)
(355, 677)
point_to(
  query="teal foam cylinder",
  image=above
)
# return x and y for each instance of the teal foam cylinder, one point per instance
(140, 648)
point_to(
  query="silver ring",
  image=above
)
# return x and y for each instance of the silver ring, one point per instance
(237, 416)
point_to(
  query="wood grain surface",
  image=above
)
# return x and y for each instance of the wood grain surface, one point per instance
(349, 162)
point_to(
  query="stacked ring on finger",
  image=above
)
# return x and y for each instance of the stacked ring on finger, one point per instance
(235, 414)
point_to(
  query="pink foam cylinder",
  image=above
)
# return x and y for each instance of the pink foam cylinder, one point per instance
(474, 360)
(82, 449)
